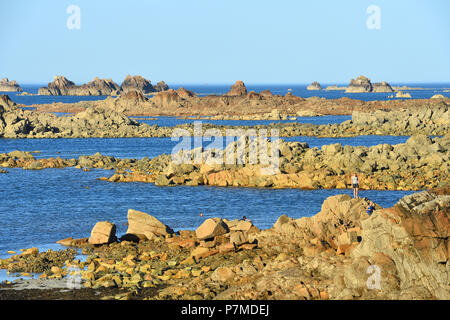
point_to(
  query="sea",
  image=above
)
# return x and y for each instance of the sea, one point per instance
(40, 207)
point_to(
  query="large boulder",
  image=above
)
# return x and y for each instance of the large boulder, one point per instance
(142, 223)
(104, 232)
(211, 228)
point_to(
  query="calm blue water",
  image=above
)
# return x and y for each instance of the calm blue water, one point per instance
(172, 121)
(296, 89)
(152, 147)
(40, 207)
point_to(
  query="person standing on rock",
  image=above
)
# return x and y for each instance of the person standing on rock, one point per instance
(370, 208)
(355, 185)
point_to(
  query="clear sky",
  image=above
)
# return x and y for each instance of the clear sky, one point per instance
(220, 41)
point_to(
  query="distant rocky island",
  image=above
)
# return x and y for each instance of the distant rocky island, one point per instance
(9, 86)
(361, 84)
(314, 86)
(101, 87)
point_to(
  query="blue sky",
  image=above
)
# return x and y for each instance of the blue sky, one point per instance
(220, 41)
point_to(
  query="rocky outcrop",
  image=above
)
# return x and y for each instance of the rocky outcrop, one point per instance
(419, 120)
(419, 163)
(6, 104)
(401, 94)
(100, 87)
(336, 229)
(363, 84)
(314, 86)
(100, 122)
(63, 86)
(396, 253)
(9, 86)
(237, 89)
(183, 93)
(382, 87)
(137, 83)
(161, 86)
(438, 96)
(360, 84)
(167, 98)
(409, 243)
(335, 88)
(60, 86)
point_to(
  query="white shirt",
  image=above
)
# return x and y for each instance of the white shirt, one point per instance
(354, 180)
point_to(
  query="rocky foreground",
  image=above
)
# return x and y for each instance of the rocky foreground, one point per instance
(340, 253)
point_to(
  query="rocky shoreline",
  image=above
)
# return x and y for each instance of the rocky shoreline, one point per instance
(420, 163)
(339, 253)
(111, 121)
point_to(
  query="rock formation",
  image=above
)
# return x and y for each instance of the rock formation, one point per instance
(237, 89)
(9, 86)
(407, 166)
(360, 84)
(401, 94)
(363, 84)
(94, 121)
(60, 86)
(314, 86)
(335, 88)
(137, 83)
(167, 98)
(409, 243)
(183, 93)
(382, 87)
(63, 86)
(161, 86)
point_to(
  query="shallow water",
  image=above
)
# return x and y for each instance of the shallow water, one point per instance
(40, 207)
(152, 147)
(173, 121)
